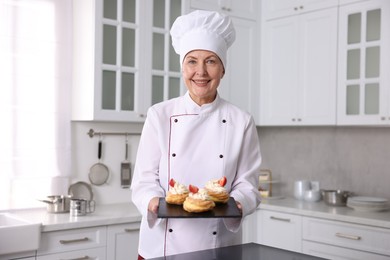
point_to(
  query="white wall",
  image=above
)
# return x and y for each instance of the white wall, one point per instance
(85, 154)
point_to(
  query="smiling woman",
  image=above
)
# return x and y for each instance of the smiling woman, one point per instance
(35, 40)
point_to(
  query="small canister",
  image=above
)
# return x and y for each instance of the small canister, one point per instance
(81, 207)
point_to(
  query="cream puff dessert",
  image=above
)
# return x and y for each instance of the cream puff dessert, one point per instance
(217, 191)
(198, 200)
(177, 193)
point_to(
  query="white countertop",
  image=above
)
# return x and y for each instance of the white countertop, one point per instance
(111, 214)
(104, 215)
(321, 210)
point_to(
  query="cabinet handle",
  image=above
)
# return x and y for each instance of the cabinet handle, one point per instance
(348, 236)
(64, 242)
(130, 229)
(79, 258)
(280, 219)
(226, 8)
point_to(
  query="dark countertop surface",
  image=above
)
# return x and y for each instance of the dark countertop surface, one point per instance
(250, 251)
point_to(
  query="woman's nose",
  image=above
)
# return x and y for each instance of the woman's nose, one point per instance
(201, 70)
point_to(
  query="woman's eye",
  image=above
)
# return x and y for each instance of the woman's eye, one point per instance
(210, 61)
(191, 61)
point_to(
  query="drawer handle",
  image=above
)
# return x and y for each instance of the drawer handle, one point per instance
(79, 258)
(348, 236)
(281, 219)
(130, 229)
(64, 242)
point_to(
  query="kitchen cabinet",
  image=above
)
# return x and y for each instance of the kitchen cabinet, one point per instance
(122, 241)
(115, 44)
(242, 8)
(279, 230)
(240, 82)
(364, 59)
(298, 69)
(339, 240)
(281, 8)
(249, 227)
(73, 243)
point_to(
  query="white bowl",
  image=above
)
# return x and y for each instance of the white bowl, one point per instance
(312, 195)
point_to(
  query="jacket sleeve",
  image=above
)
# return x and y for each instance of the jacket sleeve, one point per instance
(145, 184)
(246, 183)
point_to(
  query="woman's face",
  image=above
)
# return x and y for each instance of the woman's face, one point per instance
(202, 73)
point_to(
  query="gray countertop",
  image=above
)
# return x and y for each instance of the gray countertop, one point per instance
(322, 210)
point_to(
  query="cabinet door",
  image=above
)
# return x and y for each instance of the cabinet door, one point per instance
(364, 59)
(298, 70)
(318, 70)
(238, 8)
(122, 241)
(90, 254)
(239, 82)
(279, 72)
(280, 230)
(281, 8)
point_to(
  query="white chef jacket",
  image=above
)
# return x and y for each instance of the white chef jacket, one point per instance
(193, 144)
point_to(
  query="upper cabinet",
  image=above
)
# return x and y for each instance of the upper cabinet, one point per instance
(364, 61)
(123, 62)
(242, 8)
(298, 67)
(240, 82)
(272, 9)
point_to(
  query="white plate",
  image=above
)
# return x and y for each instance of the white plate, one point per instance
(81, 190)
(362, 199)
(368, 209)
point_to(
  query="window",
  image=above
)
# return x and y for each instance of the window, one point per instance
(35, 79)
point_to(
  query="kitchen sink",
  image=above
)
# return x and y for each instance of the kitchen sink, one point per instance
(18, 235)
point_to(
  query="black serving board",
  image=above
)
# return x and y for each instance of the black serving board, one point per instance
(227, 210)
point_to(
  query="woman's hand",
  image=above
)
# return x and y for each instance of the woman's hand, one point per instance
(239, 206)
(153, 205)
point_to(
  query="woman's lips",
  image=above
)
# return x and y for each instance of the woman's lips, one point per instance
(201, 82)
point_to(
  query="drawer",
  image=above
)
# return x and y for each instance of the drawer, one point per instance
(280, 230)
(86, 254)
(73, 239)
(360, 237)
(338, 253)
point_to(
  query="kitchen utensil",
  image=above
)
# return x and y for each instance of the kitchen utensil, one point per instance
(300, 187)
(335, 197)
(81, 207)
(81, 190)
(312, 195)
(126, 168)
(57, 203)
(99, 173)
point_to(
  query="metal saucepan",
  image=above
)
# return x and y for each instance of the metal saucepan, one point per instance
(335, 197)
(57, 203)
(99, 172)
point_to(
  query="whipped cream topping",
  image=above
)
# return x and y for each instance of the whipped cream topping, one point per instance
(214, 186)
(200, 195)
(178, 188)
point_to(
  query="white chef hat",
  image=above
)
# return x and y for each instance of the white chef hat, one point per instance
(203, 30)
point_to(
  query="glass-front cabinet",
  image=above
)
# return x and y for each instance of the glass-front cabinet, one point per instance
(364, 60)
(123, 59)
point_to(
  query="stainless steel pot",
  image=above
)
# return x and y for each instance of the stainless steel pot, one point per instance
(58, 203)
(335, 197)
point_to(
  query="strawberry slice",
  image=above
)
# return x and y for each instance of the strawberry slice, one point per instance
(172, 183)
(193, 188)
(222, 181)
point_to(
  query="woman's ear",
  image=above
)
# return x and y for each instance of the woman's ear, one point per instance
(223, 73)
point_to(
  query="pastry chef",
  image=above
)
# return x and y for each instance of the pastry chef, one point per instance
(193, 139)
